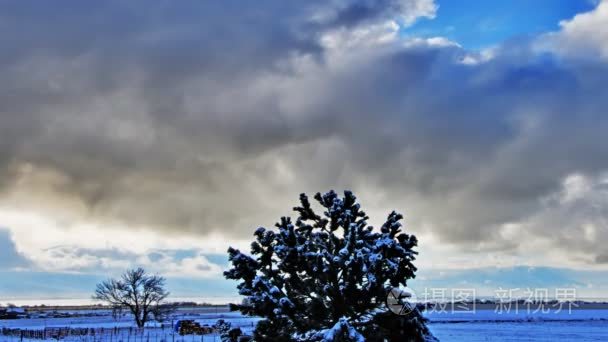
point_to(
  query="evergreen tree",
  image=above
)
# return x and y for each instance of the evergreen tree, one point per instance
(326, 277)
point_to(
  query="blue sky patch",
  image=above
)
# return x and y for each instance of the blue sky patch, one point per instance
(478, 24)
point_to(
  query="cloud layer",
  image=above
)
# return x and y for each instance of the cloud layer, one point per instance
(201, 121)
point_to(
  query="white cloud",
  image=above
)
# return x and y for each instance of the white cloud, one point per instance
(584, 36)
(366, 36)
(413, 10)
(89, 247)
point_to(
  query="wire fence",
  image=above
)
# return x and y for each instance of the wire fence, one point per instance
(117, 334)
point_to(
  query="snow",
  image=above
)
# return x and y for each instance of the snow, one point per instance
(483, 325)
(333, 334)
(375, 257)
(285, 302)
(274, 290)
(522, 331)
(492, 316)
(488, 325)
(153, 332)
(15, 310)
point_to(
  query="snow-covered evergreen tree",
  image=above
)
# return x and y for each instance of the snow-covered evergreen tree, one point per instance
(326, 277)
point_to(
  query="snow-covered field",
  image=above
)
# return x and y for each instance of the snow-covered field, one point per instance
(488, 325)
(118, 329)
(483, 325)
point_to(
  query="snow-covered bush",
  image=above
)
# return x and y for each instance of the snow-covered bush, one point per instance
(227, 333)
(326, 277)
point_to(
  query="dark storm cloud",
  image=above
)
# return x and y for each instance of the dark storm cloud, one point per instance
(601, 259)
(211, 116)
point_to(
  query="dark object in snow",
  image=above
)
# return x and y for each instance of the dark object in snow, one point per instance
(326, 277)
(191, 327)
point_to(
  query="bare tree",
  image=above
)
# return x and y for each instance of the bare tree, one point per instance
(142, 294)
(163, 312)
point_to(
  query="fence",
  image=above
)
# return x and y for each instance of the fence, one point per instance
(117, 334)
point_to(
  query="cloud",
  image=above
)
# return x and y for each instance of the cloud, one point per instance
(350, 13)
(584, 36)
(10, 258)
(143, 108)
(577, 217)
(199, 122)
(102, 260)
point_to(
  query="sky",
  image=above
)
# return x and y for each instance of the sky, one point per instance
(158, 133)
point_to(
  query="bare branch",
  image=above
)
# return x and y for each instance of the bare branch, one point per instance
(141, 293)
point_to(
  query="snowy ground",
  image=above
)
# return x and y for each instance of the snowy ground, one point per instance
(522, 331)
(103, 319)
(488, 325)
(483, 325)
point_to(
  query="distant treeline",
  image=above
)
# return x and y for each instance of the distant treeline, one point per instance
(43, 307)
